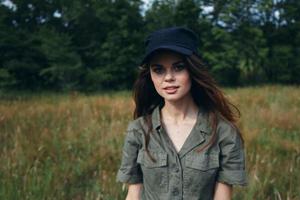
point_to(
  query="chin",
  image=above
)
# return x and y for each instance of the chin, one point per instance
(172, 97)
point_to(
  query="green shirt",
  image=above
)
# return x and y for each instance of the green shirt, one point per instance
(187, 174)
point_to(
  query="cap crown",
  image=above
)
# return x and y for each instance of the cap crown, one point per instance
(179, 36)
(178, 39)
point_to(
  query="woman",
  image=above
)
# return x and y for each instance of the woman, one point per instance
(183, 142)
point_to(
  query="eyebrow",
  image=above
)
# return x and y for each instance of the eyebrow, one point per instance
(159, 65)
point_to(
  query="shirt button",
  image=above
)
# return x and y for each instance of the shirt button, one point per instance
(175, 191)
(175, 168)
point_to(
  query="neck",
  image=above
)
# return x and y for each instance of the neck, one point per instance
(179, 111)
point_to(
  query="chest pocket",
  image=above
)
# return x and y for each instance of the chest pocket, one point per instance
(202, 161)
(200, 172)
(155, 174)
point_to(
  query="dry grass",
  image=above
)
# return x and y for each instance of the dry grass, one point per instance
(69, 146)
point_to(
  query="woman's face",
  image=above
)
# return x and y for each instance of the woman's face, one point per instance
(169, 75)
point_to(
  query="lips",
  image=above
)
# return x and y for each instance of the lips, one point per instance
(171, 89)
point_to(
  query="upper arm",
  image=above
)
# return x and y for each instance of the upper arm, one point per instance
(232, 158)
(130, 170)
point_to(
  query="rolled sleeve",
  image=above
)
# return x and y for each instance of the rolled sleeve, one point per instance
(232, 159)
(130, 170)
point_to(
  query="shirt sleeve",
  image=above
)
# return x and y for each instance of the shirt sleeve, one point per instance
(232, 159)
(130, 170)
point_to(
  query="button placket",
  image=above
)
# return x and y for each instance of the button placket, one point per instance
(175, 191)
(176, 188)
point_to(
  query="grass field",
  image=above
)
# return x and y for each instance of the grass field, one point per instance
(69, 146)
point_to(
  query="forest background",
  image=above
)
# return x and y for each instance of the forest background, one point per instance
(92, 45)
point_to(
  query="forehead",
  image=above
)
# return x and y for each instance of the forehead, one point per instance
(165, 57)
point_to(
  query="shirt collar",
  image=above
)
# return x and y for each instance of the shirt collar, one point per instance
(202, 120)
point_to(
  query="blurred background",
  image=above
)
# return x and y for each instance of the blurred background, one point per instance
(67, 68)
(97, 44)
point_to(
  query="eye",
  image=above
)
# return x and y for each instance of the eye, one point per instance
(157, 69)
(179, 66)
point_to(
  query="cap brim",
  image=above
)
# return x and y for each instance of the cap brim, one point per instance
(177, 49)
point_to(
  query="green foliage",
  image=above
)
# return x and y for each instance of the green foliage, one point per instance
(281, 55)
(6, 79)
(97, 45)
(63, 66)
(160, 15)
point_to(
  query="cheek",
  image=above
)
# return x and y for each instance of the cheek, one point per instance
(155, 80)
(186, 80)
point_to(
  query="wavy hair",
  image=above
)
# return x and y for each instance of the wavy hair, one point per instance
(204, 90)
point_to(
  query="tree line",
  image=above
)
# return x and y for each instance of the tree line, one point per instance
(93, 45)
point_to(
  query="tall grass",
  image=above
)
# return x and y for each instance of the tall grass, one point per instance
(69, 146)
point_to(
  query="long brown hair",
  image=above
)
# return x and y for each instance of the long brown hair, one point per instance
(204, 90)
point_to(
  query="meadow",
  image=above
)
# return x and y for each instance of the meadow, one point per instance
(68, 146)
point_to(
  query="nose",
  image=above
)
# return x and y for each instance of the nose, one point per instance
(169, 75)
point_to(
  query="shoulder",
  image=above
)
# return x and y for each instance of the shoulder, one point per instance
(225, 125)
(134, 133)
(136, 125)
(227, 131)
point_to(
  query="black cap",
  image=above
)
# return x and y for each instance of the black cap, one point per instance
(179, 39)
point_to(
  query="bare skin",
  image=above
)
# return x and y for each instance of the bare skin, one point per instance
(179, 114)
(223, 191)
(179, 129)
(134, 191)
